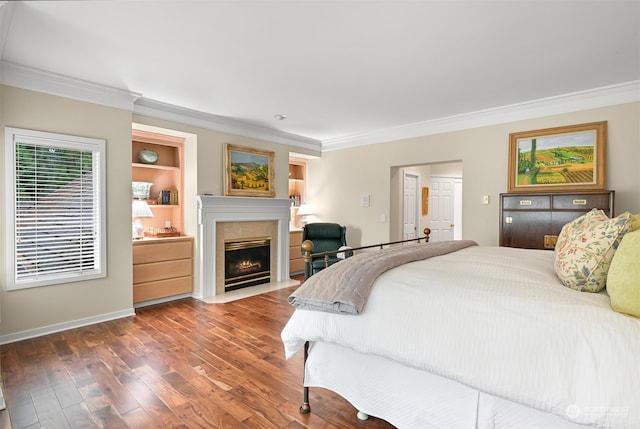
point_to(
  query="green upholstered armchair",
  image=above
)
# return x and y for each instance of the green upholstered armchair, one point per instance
(325, 237)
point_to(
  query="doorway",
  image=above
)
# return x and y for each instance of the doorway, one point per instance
(404, 203)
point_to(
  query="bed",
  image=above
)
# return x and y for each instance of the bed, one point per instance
(476, 337)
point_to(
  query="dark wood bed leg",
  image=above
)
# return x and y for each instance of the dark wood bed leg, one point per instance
(305, 408)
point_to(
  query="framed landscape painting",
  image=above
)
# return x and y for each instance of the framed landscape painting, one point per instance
(248, 172)
(570, 158)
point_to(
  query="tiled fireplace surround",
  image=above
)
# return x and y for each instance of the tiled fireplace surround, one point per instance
(222, 218)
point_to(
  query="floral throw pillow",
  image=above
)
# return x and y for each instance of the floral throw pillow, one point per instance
(585, 248)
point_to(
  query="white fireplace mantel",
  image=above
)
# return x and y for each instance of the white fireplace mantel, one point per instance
(214, 209)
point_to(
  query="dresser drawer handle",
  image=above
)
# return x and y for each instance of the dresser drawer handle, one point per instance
(550, 241)
(525, 202)
(579, 202)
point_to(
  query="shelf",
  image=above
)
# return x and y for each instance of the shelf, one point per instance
(296, 170)
(297, 186)
(169, 153)
(154, 166)
(164, 175)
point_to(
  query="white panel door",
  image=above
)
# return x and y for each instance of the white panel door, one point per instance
(410, 206)
(457, 209)
(441, 208)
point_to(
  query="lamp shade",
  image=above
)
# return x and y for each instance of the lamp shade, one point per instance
(305, 210)
(140, 208)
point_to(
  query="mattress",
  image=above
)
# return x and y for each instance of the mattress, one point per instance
(496, 320)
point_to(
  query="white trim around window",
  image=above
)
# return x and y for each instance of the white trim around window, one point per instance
(55, 208)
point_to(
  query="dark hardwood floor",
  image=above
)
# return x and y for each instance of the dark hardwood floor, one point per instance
(183, 364)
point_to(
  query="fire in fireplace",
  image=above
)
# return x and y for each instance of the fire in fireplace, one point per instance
(247, 262)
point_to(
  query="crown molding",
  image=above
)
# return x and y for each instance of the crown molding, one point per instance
(159, 110)
(64, 86)
(627, 92)
(55, 84)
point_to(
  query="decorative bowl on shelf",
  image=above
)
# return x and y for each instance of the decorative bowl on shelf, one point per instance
(148, 156)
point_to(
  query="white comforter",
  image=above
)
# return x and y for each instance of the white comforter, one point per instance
(498, 320)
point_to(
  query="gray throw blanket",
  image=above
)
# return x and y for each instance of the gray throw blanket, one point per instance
(345, 286)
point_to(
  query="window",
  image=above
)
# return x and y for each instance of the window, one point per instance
(55, 208)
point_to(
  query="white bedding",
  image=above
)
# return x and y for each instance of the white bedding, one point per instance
(409, 398)
(498, 320)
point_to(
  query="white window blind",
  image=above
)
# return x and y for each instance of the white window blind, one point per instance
(56, 208)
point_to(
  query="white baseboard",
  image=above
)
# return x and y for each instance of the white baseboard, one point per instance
(162, 300)
(59, 327)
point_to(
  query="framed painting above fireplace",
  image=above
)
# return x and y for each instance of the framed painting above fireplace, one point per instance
(248, 172)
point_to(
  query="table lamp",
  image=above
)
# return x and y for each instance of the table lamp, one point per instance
(304, 210)
(139, 209)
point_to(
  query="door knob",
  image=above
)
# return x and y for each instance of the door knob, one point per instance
(451, 225)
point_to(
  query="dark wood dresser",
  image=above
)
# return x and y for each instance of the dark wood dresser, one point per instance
(533, 221)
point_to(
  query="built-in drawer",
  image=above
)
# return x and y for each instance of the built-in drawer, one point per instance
(295, 238)
(581, 201)
(526, 202)
(296, 265)
(162, 288)
(157, 251)
(295, 252)
(161, 270)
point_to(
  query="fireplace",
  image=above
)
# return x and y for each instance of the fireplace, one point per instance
(247, 262)
(224, 218)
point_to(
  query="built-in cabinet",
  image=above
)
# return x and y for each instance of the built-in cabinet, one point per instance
(162, 268)
(163, 259)
(296, 262)
(297, 177)
(166, 178)
(533, 221)
(297, 188)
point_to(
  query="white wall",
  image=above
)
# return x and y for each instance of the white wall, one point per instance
(50, 306)
(339, 178)
(30, 312)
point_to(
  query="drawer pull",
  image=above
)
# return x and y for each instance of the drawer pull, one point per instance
(579, 202)
(525, 202)
(550, 241)
(508, 220)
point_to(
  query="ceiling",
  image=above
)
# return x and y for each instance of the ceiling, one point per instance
(335, 68)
